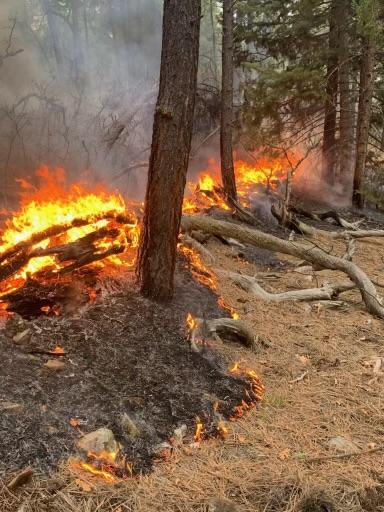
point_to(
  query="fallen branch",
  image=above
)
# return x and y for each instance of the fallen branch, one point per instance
(330, 214)
(305, 251)
(291, 221)
(250, 284)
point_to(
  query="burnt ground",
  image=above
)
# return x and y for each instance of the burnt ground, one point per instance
(124, 355)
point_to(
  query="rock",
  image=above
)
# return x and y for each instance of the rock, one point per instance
(10, 407)
(23, 337)
(129, 426)
(221, 505)
(15, 325)
(99, 441)
(54, 365)
(342, 445)
(179, 434)
(162, 449)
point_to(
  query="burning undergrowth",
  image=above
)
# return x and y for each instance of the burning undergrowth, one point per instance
(124, 357)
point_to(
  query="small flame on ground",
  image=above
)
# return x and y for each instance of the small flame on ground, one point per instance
(199, 430)
(253, 395)
(191, 322)
(58, 351)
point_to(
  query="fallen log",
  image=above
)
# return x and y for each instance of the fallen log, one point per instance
(250, 284)
(304, 251)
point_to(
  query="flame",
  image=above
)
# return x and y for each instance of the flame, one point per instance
(199, 430)
(58, 351)
(77, 211)
(264, 173)
(199, 270)
(104, 465)
(191, 322)
(221, 302)
(253, 395)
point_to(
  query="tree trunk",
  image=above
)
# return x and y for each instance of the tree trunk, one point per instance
(214, 47)
(53, 31)
(78, 50)
(364, 116)
(346, 140)
(171, 144)
(329, 138)
(226, 152)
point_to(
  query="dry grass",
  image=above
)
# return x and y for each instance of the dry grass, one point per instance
(264, 464)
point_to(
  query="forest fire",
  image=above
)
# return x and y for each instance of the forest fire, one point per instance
(264, 174)
(59, 229)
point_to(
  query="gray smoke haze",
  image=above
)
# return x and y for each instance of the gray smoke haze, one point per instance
(81, 93)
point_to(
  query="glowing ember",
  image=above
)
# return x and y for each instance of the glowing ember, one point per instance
(53, 216)
(58, 351)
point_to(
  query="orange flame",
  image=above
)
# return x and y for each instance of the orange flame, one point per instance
(78, 210)
(256, 393)
(199, 430)
(264, 172)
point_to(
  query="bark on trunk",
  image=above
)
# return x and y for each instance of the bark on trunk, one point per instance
(226, 152)
(171, 144)
(346, 140)
(364, 117)
(329, 138)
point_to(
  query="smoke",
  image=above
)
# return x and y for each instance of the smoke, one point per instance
(81, 93)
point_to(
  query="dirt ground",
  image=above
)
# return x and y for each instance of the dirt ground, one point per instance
(317, 366)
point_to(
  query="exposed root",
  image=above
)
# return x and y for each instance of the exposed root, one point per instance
(308, 252)
(207, 256)
(226, 328)
(250, 284)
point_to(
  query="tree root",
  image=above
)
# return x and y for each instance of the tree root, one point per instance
(250, 284)
(226, 328)
(305, 251)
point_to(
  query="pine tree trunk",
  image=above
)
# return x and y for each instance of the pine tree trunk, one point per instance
(346, 140)
(78, 54)
(364, 117)
(226, 152)
(53, 30)
(329, 137)
(171, 144)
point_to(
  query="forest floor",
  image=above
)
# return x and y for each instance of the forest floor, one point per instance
(317, 368)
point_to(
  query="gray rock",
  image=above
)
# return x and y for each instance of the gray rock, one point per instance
(222, 505)
(99, 441)
(342, 445)
(129, 426)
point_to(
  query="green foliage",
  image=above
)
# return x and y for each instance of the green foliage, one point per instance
(282, 49)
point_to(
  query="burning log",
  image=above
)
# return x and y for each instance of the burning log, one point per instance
(305, 251)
